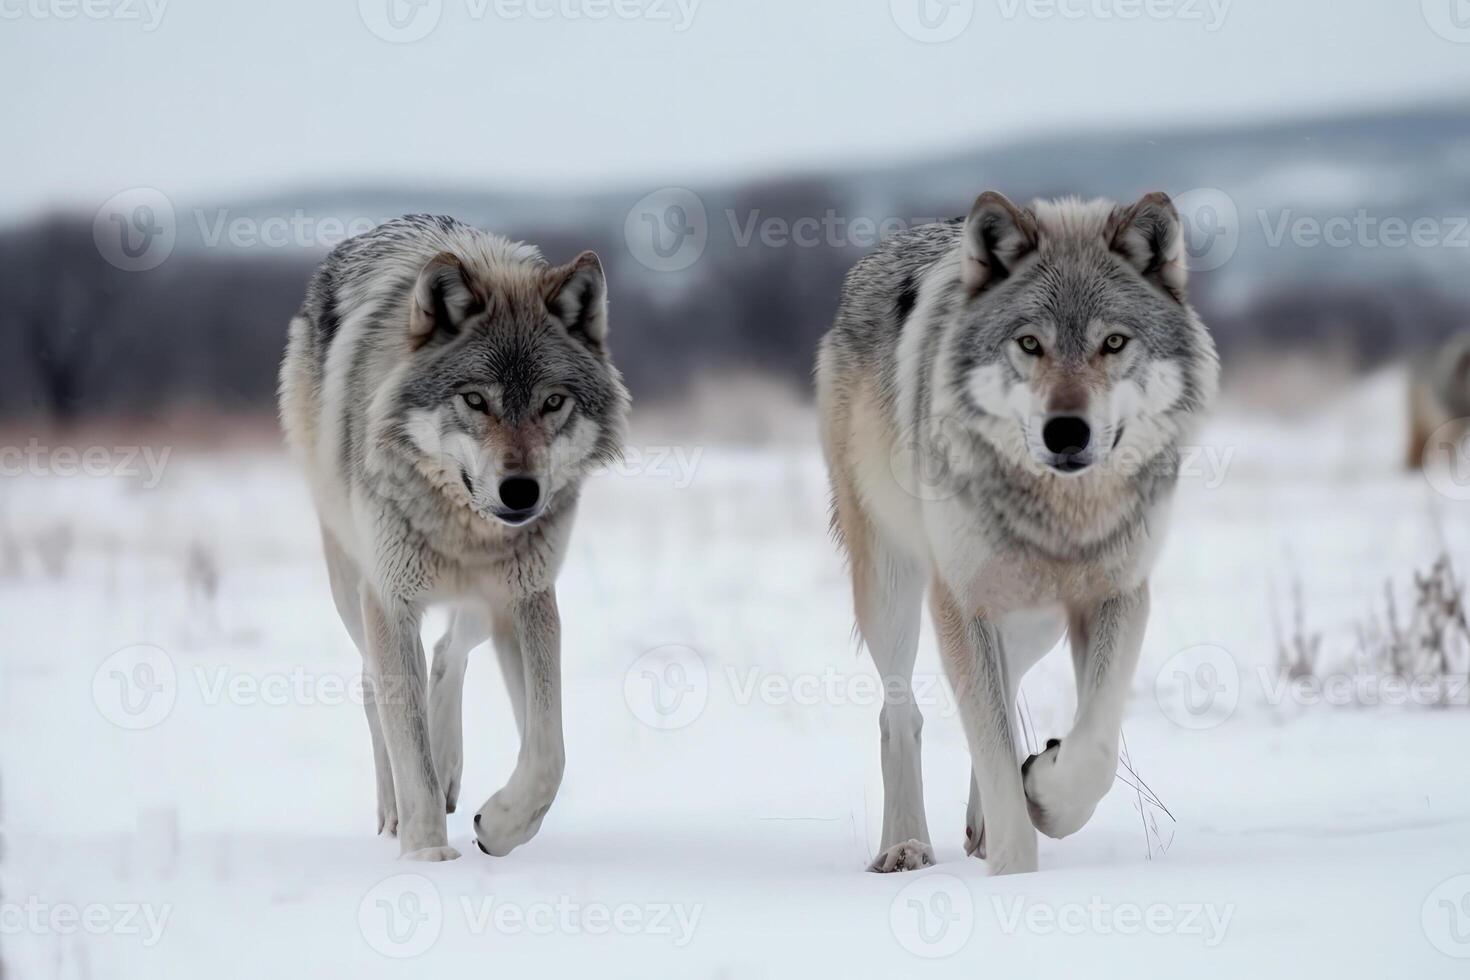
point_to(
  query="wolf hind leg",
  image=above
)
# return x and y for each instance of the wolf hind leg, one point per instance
(346, 584)
(888, 595)
(468, 628)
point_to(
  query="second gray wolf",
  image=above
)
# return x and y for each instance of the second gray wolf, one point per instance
(1439, 399)
(447, 392)
(1003, 403)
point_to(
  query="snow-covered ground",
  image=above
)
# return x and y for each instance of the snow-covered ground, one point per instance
(188, 790)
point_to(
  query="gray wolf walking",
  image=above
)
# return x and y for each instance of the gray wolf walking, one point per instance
(1439, 396)
(1003, 400)
(448, 391)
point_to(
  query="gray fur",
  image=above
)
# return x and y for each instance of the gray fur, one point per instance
(430, 364)
(932, 414)
(1439, 399)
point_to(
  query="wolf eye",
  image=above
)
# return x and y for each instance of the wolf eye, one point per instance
(553, 404)
(476, 401)
(1030, 345)
(1115, 343)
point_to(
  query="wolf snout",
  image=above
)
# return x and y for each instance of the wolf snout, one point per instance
(520, 492)
(1066, 435)
(520, 500)
(1068, 439)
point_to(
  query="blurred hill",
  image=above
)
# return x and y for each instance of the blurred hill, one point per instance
(1348, 234)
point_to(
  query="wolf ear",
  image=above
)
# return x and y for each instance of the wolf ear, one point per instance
(1149, 236)
(997, 236)
(576, 294)
(443, 298)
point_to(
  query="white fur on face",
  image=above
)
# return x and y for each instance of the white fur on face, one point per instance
(1142, 408)
(570, 450)
(448, 453)
(1137, 408)
(992, 389)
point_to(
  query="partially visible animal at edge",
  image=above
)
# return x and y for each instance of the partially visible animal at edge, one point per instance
(1439, 400)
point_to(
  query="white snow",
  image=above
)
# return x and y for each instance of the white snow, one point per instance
(723, 834)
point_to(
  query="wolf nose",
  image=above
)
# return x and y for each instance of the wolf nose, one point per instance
(1066, 435)
(519, 492)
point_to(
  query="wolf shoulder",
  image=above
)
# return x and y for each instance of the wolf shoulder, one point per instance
(881, 290)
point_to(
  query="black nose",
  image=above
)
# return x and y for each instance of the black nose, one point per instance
(1066, 435)
(519, 492)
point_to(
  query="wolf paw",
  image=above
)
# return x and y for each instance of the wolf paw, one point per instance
(1064, 784)
(448, 774)
(387, 816)
(910, 855)
(431, 854)
(975, 842)
(507, 821)
(448, 766)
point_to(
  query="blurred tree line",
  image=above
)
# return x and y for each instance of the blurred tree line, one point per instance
(204, 330)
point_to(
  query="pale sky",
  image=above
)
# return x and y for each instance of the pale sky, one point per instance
(214, 99)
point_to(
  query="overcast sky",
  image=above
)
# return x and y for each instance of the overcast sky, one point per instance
(215, 99)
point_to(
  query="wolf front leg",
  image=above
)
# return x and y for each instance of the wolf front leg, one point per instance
(975, 660)
(1065, 783)
(468, 628)
(396, 664)
(513, 815)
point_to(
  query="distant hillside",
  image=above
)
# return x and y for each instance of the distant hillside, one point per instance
(1349, 231)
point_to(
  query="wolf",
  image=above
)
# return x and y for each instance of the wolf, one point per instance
(1439, 399)
(1003, 400)
(447, 392)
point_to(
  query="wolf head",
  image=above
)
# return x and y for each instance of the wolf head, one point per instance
(1076, 342)
(509, 396)
(1450, 376)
